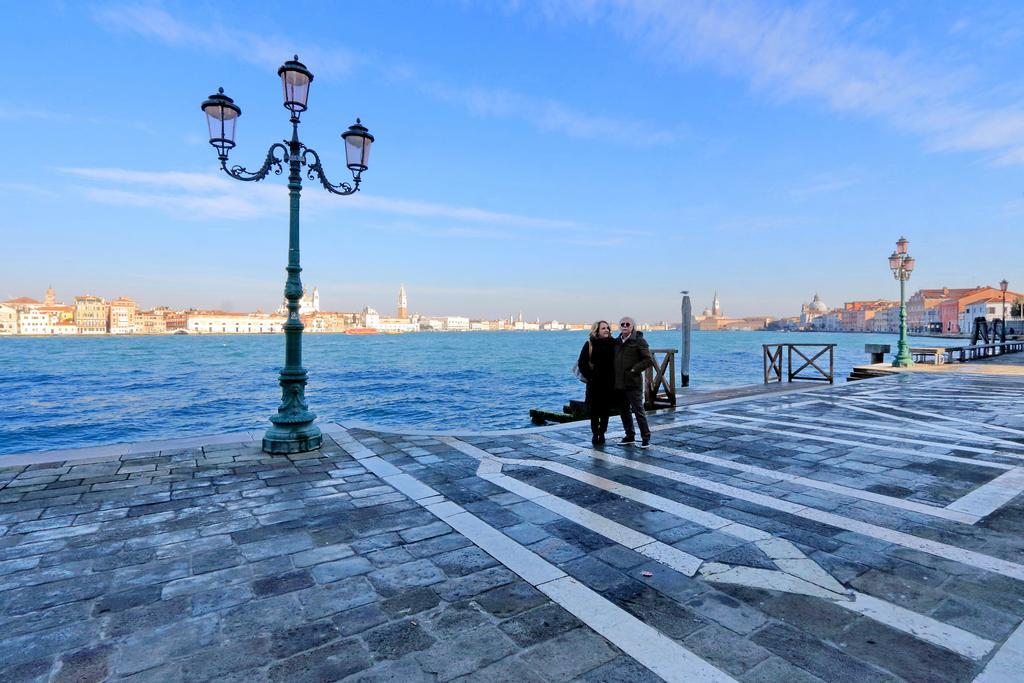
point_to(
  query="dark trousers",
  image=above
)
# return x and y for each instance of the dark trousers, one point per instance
(633, 403)
(599, 424)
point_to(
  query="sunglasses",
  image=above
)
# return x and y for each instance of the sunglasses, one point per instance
(623, 324)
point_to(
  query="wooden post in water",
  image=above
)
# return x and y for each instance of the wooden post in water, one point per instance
(684, 355)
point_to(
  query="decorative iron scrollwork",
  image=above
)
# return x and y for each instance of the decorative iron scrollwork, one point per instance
(272, 160)
(315, 171)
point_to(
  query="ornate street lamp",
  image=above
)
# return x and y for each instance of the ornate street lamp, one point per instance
(1004, 285)
(292, 430)
(902, 265)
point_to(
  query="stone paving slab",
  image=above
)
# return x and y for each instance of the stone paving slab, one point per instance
(888, 551)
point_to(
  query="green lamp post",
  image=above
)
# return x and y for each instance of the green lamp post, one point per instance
(292, 429)
(902, 264)
(1003, 286)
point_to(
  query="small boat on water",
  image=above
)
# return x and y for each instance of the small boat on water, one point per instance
(362, 330)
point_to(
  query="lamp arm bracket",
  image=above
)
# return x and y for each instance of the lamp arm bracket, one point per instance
(315, 171)
(272, 160)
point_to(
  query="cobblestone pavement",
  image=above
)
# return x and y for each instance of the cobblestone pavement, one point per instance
(865, 532)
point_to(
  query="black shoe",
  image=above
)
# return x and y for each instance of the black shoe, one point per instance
(600, 439)
(596, 439)
(628, 440)
(646, 443)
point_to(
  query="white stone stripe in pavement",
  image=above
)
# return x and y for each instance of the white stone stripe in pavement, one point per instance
(953, 399)
(826, 422)
(959, 420)
(935, 632)
(722, 422)
(838, 430)
(524, 562)
(640, 542)
(950, 418)
(989, 497)
(657, 652)
(949, 552)
(957, 515)
(1008, 663)
(947, 429)
(798, 574)
(652, 649)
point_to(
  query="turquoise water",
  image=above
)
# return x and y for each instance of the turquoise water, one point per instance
(61, 392)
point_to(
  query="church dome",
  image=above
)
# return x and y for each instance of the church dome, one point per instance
(817, 305)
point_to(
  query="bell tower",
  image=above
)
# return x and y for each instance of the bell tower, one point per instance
(716, 307)
(51, 297)
(403, 303)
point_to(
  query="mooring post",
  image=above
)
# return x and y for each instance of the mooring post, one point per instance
(684, 356)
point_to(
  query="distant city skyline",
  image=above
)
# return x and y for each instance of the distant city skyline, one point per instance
(567, 158)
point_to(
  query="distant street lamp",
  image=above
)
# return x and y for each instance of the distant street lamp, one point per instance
(902, 264)
(1003, 285)
(293, 430)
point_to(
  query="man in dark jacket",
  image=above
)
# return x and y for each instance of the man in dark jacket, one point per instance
(632, 357)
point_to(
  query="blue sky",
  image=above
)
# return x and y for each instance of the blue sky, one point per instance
(572, 160)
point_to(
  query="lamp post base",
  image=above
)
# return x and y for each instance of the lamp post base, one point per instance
(287, 439)
(903, 357)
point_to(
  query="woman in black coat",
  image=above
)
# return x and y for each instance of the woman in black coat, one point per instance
(597, 365)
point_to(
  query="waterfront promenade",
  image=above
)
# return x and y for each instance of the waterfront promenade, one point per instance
(869, 531)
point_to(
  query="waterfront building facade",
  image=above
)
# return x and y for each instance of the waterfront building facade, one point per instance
(65, 328)
(370, 317)
(150, 322)
(34, 322)
(858, 315)
(121, 315)
(223, 322)
(923, 314)
(59, 312)
(334, 322)
(951, 311)
(8, 319)
(90, 314)
(991, 309)
(456, 323)
(396, 325)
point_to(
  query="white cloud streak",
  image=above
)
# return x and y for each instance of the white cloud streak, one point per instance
(204, 196)
(812, 52)
(548, 115)
(155, 23)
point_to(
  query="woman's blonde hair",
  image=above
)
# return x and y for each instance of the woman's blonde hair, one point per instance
(596, 326)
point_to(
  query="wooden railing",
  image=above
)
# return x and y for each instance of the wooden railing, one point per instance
(964, 354)
(773, 354)
(660, 381)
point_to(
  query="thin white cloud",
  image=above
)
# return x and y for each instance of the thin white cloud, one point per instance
(156, 23)
(14, 113)
(172, 180)
(823, 184)
(815, 52)
(548, 115)
(207, 195)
